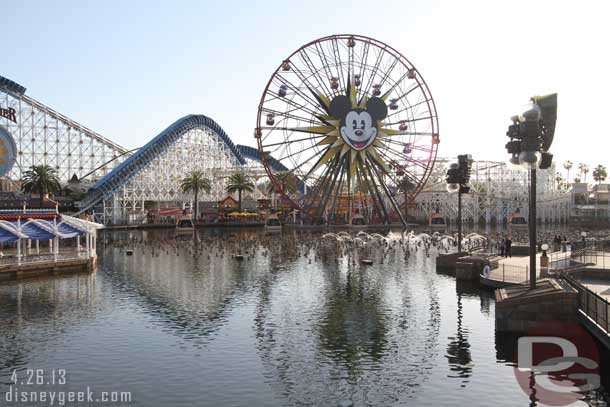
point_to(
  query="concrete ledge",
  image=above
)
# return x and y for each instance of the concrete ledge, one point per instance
(519, 308)
(47, 268)
(495, 284)
(470, 268)
(447, 262)
(593, 273)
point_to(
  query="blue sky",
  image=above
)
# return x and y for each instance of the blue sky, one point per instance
(130, 69)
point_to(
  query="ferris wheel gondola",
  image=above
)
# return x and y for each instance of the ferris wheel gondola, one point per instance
(347, 116)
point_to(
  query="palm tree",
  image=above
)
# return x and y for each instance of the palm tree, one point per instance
(406, 186)
(568, 166)
(559, 179)
(40, 179)
(239, 182)
(195, 181)
(599, 175)
(584, 169)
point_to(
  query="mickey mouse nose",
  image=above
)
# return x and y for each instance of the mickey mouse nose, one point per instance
(358, 132)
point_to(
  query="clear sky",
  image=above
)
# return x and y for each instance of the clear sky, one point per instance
(128, 69)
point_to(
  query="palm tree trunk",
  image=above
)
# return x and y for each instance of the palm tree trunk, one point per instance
(41, 199)
(196, 213)
(239, 199)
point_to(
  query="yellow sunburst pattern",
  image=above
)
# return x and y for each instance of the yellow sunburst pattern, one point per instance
(336, 146)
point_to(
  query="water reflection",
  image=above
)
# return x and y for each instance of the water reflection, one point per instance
(458, 348)
(298, 321)
(354, 325)
(189, 283)
(339, 333)
(36, 312)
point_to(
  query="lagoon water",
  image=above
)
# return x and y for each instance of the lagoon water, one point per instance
(181, 322)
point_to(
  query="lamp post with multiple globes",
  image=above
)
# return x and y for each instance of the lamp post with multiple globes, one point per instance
(458, 176)
(531, 135)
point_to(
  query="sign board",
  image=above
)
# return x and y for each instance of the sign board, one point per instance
(8, 151)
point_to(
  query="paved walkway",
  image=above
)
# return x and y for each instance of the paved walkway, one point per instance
(515, 269)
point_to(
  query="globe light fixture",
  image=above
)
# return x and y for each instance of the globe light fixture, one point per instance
(514, 159)
(533, 114)
(453, 188)
(529, 159)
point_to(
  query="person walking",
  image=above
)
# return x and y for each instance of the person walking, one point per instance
(509, 244)
(502, 247)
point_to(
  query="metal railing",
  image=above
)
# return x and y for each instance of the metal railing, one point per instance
(592, 304)
(564, 260)
(508, 273)
(42, 258)
(597, 256)
(30, 210)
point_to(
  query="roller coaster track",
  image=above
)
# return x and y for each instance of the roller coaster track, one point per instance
(129, 168)
(44, 136)
(108, 162)
(76, 126)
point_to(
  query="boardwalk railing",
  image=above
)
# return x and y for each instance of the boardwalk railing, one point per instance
(563, 260)
(593, 305)
(507, 273)
(579, 257)
(41, 258)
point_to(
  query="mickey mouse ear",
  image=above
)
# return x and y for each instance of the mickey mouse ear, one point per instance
(339, 106)
(377, 108)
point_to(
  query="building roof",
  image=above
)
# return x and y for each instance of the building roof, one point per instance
(42, 226)
(228, 198)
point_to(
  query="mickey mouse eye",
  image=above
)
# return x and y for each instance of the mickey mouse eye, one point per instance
(362, 124)
(355, 124)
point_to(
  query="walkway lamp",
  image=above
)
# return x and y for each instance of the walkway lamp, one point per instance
(531, 135)
(458, 176)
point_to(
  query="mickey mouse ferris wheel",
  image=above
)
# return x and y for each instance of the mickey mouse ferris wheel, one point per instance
(347, 127)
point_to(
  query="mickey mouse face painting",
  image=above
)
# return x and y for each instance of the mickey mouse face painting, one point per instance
(358, 127)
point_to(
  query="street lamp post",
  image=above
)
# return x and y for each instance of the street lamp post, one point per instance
(532, 227)
(458, 176)
(531, 135)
